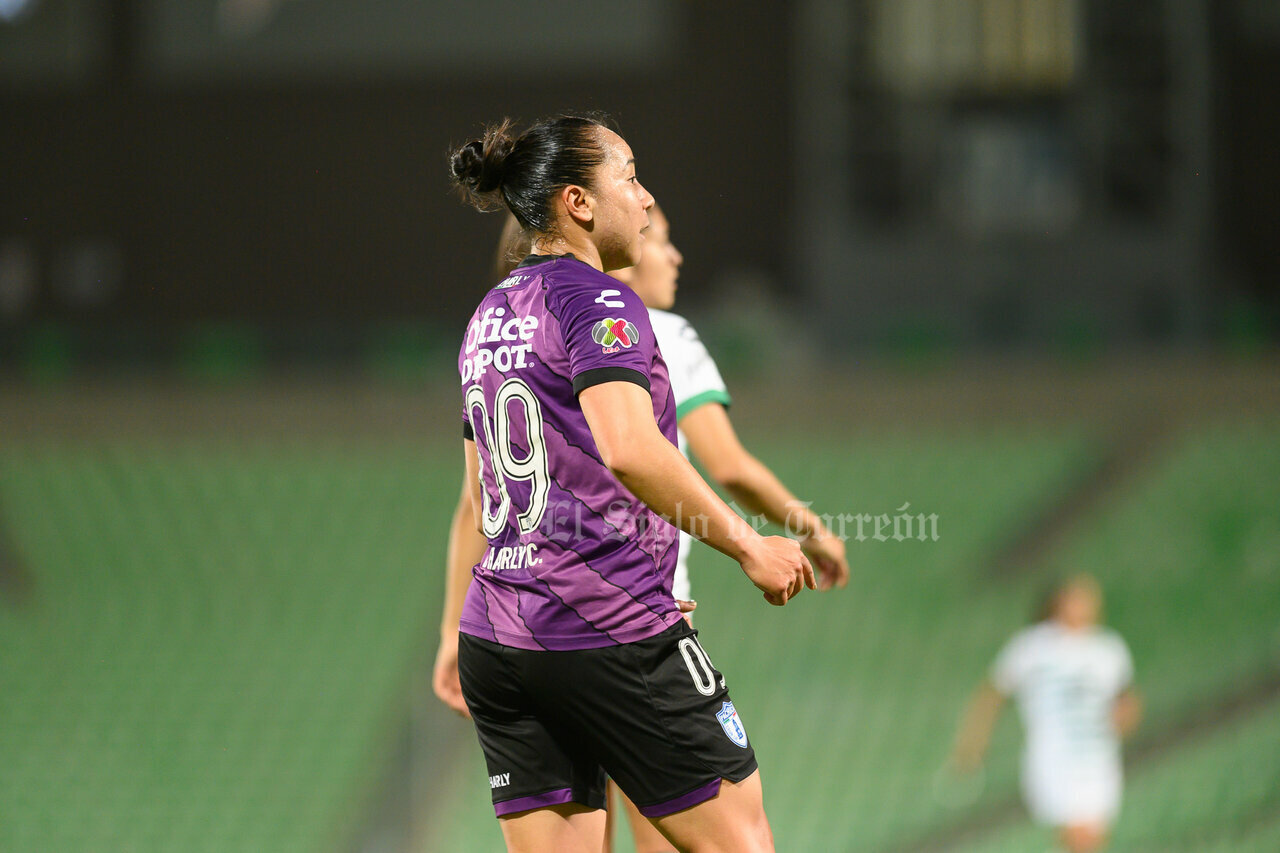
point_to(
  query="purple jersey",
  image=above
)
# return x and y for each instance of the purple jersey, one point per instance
(575, 561)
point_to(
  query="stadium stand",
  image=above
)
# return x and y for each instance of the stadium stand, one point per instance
(218, 639)
(220, 635)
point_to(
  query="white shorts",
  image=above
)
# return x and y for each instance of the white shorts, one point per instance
(1064, 793)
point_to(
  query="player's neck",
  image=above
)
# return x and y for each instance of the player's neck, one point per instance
(581, 248)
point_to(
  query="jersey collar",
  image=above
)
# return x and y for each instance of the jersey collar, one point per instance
(533, 260)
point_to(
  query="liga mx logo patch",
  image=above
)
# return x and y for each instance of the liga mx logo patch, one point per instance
(614, 335)
(732, 724)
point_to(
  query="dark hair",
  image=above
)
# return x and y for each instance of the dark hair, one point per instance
(524, 172)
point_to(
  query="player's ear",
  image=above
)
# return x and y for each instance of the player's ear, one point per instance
(578, 203)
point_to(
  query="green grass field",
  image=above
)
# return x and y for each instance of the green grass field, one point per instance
(223, 634)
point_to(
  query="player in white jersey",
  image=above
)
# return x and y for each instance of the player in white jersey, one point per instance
(1073, 683)
(705, 430)
(696, 382)
(704, 427)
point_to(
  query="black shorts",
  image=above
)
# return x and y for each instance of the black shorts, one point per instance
(655, 715)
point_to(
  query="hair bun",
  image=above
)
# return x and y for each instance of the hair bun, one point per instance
(477, 167)
(470, 169)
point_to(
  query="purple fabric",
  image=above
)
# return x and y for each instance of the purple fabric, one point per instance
(537, 801)
(598, 569)
(698, 795)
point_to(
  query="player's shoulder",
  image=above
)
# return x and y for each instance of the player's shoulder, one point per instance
(668, 328)
(1034, 636)
(571, 277)
(666, 320)
(1110, 641)
(574, 287)
(672, 329)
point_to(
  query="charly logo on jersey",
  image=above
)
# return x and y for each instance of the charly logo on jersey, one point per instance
(614, 335)
(512, 281)
(511, 558)
(732, 724)
(606, 299)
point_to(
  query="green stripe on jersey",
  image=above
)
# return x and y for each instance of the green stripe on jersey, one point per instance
(712, 396)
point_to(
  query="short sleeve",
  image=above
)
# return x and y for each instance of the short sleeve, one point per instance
(695, 378)
(468, 432)
(1123, 664)
(1010, 666)
(607, 336)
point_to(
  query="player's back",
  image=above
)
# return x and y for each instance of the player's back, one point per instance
(574, 560)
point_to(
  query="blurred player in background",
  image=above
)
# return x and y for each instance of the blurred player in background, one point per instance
(1073, 681)
(702, 402)
(573, 657)
(702, 414)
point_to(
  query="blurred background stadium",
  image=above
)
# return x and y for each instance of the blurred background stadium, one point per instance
(1012, 262)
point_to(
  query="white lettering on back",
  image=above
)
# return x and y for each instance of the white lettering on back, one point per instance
(491, 328)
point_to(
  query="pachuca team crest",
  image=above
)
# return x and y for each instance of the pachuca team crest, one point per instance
(614, 335)
(732, 724)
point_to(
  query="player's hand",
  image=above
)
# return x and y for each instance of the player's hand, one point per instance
(687, 607)
(779, 569)
(826, 552)
(444, 678)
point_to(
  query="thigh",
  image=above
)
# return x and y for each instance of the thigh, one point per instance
(646, 836)
(570, 828)
(733, 822)
(532, 763)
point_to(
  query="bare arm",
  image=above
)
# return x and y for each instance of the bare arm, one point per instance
(472, 488)
(466, 548)
(713, 440)
(1126, 713)
(620, 415)
(976, 726)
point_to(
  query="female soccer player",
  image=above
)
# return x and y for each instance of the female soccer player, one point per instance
(703, 424)
(1073, 683)
(574, 659)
